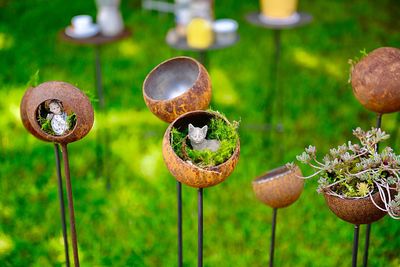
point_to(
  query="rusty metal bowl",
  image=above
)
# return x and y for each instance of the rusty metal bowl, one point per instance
(279, 187)
(375, 80)
(73, 101)
(177, 86)
(188, 173)
(356, 210)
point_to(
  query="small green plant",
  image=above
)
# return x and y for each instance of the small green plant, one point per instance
(353, 62)
(359, 170)
(217, 129)
(45, 124)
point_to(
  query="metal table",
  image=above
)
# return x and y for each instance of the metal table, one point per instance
(97, 41)
(256, 19)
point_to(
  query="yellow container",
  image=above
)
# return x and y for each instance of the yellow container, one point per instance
(278, 8)
(199, 33)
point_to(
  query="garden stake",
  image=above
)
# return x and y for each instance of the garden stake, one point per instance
(368, 232)
(62, 205)
(179, 200)
(200, 228)
(272, 247)
(268, 188)
(70, 204)
(197, 97)
(355, 245)
(70, 115)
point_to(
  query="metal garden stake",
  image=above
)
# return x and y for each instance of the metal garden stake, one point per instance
(376, 86)
(60, 113)
(278, 188)
(171, 89)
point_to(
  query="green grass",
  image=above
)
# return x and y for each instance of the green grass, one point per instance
(134, 223)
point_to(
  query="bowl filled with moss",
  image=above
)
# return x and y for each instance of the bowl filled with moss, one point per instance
(201, 148)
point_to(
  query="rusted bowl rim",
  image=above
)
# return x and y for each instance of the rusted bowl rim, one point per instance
(274, 174)
(199, 67)
(326, 191)
(209, 169)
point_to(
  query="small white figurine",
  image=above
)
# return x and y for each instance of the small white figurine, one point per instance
(57, 117)
(197, 137)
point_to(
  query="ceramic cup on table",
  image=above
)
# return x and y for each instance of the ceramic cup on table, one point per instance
(225, 31)
(82, 23)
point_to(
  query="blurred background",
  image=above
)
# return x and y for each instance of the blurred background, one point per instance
(133, 223)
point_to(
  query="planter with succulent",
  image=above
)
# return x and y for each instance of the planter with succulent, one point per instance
(360, 184)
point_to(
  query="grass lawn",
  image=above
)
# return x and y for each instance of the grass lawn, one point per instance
(134, 223)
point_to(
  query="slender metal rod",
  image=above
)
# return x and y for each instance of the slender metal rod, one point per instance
(368, 230)
(272, 246)
(355, 245)
(99, 82)
(179, 201)
(366, 248)
(70, 204)
(200, 228)
(62, 205)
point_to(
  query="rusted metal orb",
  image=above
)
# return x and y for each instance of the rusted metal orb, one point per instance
(376, 80)
(56, 112)
(356, 211)
(177, 86)
(188, 173)
(280, 187)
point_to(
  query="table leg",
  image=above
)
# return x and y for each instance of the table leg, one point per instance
(203, 58)
(99, 82)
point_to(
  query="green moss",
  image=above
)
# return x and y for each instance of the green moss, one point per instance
(45, 124)
(217, 129)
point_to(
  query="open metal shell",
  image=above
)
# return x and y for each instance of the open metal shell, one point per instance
(279, 187)
(73, 101)
(356, 210)
(177, 86)
(376, 80)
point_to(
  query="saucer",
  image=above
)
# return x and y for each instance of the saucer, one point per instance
(281, 21)
(92, 31)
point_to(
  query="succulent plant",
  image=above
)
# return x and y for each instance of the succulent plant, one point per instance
(358, 170)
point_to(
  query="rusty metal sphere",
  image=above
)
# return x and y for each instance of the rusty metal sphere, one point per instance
(376, 80)
(279, 187)
(177, 86)
(54, 102)
(356, 211)
(188, 173)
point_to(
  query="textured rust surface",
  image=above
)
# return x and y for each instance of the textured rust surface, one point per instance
(190, 174)
(376, 80)
(73, 100)
(196, 98)
(279, 188)
(356, 211)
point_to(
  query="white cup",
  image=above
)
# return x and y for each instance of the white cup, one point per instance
(225, 31)
(81, 23)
